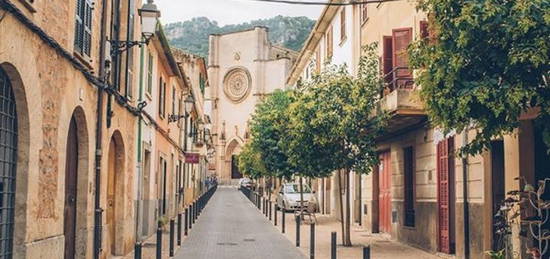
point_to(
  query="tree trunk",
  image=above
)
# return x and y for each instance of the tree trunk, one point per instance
(301, 197)
(347, 240)
(341, 206)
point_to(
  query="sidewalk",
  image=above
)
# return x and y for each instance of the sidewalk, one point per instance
(382, 247)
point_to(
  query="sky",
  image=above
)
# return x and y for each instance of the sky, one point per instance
(230, 11)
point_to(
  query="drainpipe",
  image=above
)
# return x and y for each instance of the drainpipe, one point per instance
(139, 158)
(98, 212)
(466, 213)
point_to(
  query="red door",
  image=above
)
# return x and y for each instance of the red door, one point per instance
(445, 198)
(384, 194)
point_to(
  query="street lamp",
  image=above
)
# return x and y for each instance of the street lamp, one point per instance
(149, 15)
(188, 106)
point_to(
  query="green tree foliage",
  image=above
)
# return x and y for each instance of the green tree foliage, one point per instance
(269, 126)
(334, 122)
(250, 162)
(486, 62)
(192, 35)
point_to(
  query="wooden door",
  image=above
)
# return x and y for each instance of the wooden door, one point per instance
(235, 173)
(111, 204)
(71, 167)
(384, 193)
(445, 196)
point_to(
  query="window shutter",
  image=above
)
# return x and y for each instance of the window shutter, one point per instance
(150, 74)
(363, 12)
(87, 37)
(329, 41)
(387, 59)
(401, 40)
(343, 24)
(424, 34)
(160, 98)
(79, 23)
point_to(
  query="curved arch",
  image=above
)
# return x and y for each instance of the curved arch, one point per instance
(233, 146)
(23, 145)
(115, 194)
(76, 183)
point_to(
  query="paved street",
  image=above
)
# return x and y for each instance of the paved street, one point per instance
(231, 227)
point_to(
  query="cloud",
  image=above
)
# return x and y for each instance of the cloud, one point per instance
(230, 11)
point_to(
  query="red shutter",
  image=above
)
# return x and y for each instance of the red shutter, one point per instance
(445, 165)
(401, 40)
(387, 59)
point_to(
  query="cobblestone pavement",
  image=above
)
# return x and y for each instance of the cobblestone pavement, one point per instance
(231, 227)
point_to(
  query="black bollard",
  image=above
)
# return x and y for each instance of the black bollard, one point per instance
(270, 205)
(366, 252)
(333, 245)
(283, 214)
(172, 232)
(159, 242)
(185, 222)
(179, 229)
(137, 250)
(312, 241)
(298, 231)
(275, 212)
(190, 216)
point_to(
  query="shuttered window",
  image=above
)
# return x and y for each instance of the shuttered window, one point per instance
(424, 34)
(364, 12)
(408, 165)
(329, 41)
(387, 58)
(343, 24)
(150, 74)
(401, 40)
(83, 27)
(162, 98)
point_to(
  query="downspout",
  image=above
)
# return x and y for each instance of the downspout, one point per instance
(466, 217)
(139, 158)
(98, 212)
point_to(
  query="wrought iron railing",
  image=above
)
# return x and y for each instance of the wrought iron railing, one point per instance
(398, 78)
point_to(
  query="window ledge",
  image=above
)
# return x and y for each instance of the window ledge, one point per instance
(28, 5)
(86, 61)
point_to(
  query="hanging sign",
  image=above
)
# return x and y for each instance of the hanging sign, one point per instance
(192, 158)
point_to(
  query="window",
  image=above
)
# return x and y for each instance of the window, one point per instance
(130, 52)
(408, 165)
(83, 27)
(162, 98)
(343, 24)
(150, 74)
(401, 40)
(318, 60)
(173, 100)
(329, 42)
(387, 58)
(424, 34)
(202, 83)
(364, 13)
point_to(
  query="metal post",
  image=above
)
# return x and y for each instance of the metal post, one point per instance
(190, 216)
(312, 241)
(275, 212)
(297, 231)
(137, 250)
(333, 245)
(172, 232)
(270, 205)
(159, 242)
(366, 252)
(179, 229)
(283, 214)
(185, 222)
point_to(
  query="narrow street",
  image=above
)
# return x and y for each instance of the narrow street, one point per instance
(231, 227)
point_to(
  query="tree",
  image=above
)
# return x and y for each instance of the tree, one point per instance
(334, 124)
(250, 162)
(486, 63)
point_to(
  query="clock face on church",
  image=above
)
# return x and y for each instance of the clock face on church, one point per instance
(236, 84)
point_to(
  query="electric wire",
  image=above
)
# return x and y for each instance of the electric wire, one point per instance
(322, 3)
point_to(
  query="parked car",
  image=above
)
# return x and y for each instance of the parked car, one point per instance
(288, 197)
(245, 182)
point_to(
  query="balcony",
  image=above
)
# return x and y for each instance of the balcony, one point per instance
(401, 100)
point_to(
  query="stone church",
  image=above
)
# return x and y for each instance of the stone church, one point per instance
(243, 67)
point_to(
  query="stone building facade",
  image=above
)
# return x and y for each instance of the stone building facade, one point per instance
(242, 68)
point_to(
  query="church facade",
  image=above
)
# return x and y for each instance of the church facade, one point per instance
(243, 67)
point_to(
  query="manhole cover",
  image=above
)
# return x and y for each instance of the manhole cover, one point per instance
(227, 244)
(249, 240)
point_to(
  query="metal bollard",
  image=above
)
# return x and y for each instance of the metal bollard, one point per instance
(179, 229)
(137, 250)
(366, 252)
(270, 205)
(185, 222)
(159, 242)
(298, 231)
(283, 213)
(312, 241)
(190, 216)
(172, 232)
(275, 212)
(333, 245)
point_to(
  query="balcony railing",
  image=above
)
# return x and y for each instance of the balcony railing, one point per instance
(398, 78)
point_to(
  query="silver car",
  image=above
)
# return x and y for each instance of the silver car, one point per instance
(288, 197)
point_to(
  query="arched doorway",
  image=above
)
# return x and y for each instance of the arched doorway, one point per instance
(8, 163)
(115, 194)
(71, 182)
